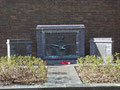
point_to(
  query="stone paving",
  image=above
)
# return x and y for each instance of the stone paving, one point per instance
(64, 75)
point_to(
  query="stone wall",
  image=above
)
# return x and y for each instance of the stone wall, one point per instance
(19, 18)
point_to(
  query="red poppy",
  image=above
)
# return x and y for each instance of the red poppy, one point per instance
(65, 62)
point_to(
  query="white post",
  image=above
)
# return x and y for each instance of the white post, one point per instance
(8, 48)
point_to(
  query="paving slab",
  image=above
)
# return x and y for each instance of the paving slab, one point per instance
(62, 76)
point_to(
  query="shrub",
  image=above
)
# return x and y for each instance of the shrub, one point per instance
(90, 60)
(22, 70)
(95, 69)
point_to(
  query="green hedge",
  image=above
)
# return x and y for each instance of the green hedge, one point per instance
(112, 59)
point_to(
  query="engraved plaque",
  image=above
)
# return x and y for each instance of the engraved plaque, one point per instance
(60, 44)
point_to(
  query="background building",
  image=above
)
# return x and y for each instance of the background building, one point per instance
(19, 18)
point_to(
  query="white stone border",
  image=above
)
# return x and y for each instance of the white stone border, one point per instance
(75, 26)
(101, 40)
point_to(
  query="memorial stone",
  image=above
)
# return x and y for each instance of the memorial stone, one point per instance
(22, 47)
(101, 47)
(60, 42)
